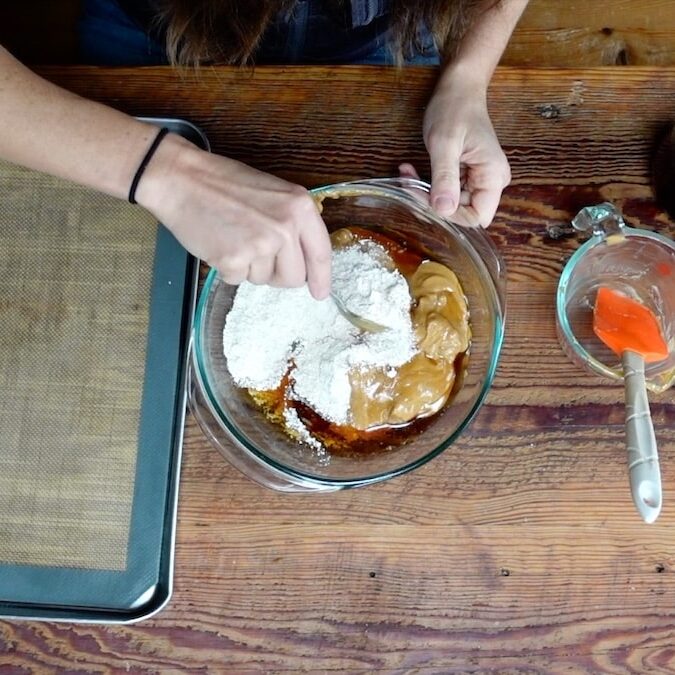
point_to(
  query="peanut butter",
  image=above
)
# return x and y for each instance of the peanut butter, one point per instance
(396, 396)
(420, 387)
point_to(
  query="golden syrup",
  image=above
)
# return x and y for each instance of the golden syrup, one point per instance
(344, 440)
(406, 259)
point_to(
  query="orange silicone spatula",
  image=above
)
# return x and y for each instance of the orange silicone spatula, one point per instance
(631, 330)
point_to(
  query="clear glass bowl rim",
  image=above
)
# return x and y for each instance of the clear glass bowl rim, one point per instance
(568, 271)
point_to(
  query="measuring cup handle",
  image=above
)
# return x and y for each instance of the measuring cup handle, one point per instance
(643, 458)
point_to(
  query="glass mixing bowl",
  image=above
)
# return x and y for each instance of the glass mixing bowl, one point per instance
(260, 449)
(637, 262)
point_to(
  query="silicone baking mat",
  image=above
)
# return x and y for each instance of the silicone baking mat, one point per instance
(75, 276)
(96, 305)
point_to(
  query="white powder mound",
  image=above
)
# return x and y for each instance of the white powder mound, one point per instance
(269, 328)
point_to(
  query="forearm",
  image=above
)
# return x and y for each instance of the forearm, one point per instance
(484, 43)
(49, 129)
(248, 224)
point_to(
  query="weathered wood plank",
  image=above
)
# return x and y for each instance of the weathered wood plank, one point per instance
(596, 33)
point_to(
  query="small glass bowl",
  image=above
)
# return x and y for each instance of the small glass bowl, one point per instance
(260, 449)
(637, 262)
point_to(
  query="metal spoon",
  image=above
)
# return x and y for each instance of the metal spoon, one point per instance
(359, 321)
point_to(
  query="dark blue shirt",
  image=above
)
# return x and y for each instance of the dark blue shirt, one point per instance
(313, 32)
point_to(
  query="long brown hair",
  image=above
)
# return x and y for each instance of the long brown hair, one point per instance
(229, 31)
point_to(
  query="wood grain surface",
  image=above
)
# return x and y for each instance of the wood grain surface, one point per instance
(592, 33)
(516, 551)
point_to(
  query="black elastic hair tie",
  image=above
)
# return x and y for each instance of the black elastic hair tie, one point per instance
(144, 163)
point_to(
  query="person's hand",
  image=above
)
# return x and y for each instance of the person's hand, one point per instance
(468, 166)
(247, 224)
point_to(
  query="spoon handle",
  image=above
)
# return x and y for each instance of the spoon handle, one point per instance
(359, 321)
(643, 458)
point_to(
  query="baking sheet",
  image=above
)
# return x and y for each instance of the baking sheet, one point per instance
(96, 302)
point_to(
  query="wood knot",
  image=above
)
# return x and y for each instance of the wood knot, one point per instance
(505, 572)
(660, 568)
(549, 111)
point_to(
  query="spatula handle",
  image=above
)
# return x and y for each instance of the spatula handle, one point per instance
(643, 458)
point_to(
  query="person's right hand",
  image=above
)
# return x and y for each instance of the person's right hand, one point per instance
(247, 224)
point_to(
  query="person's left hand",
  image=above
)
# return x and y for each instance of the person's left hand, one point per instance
(468, 166)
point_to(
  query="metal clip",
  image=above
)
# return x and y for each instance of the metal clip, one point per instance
(599, 220)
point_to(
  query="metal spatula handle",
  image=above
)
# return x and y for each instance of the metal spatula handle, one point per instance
(643, 458)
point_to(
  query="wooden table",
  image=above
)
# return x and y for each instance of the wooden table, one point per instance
(519, 549)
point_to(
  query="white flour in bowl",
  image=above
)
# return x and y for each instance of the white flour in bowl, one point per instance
(269, 330)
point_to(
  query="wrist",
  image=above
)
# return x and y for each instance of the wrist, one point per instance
(467, 76)
(159, 137)
(154, 190)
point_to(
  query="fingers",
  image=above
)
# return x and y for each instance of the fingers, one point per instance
(261, 270)
(484, 203)
(289, 251)
(232, 273)
(481, 186)
(245, 223)
(316, 248)
(485, 184)
(467, 216)
(444, 154)
(407, 170)
(470, 212)
(289, 267)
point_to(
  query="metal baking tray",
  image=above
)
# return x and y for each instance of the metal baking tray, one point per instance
(38, 580)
